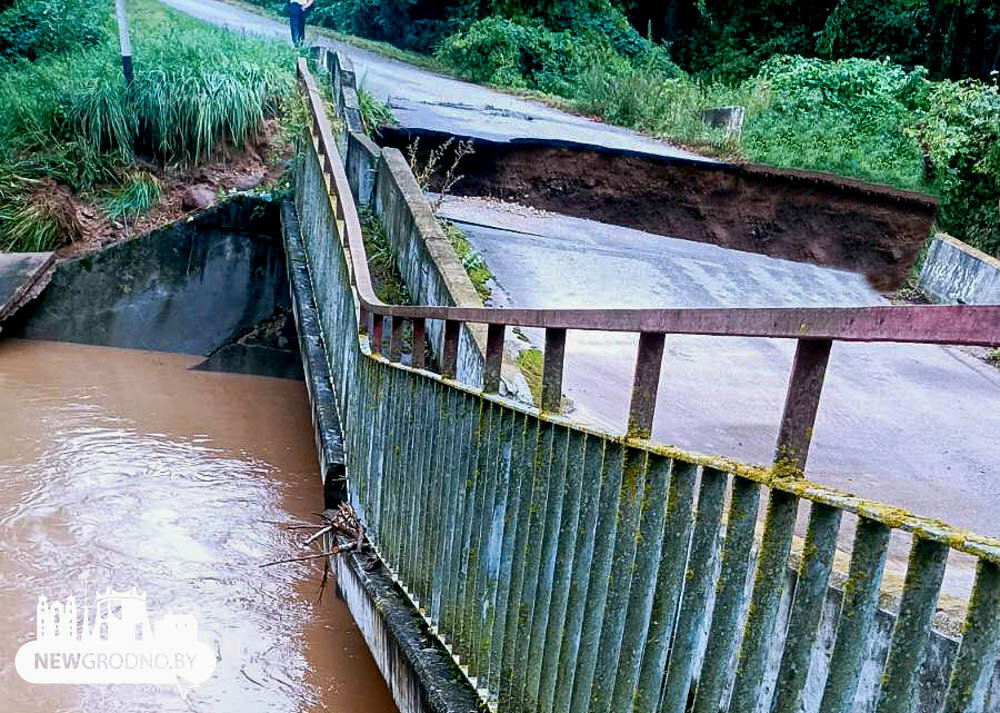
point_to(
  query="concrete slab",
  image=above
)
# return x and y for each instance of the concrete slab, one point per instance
(20, 273)
(426, 100)
(912, 425)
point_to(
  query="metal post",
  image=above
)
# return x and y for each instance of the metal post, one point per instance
(123, 40)
(375, 341)
(449, 359)
(552, 369)
(801, 402)
(418, 340)
(396, 339)
(494, 358)
(645, 385)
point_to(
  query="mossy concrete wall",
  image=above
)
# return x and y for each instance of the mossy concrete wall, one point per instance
(956, 273)
(382, 180)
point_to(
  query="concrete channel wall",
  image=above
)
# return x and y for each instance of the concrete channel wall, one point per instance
(956, 273)
(568, 567)
(382, 181)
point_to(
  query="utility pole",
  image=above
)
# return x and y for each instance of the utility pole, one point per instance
(123, 39)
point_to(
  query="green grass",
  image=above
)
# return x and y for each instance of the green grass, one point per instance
(374, 112)
(531, 362)
(139, 192)
(386, 279)
(69, 116)
(475, 266)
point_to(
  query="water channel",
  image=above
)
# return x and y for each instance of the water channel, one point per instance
(127, 467)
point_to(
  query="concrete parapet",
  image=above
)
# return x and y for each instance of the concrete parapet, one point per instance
(956, 273)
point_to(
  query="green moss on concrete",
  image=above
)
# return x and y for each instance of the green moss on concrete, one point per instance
(530, 362)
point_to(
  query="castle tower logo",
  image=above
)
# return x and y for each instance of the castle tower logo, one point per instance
(112, 641)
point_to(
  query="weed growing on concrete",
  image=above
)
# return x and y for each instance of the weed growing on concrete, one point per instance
(993, 357)
(472, 261)
(530, 362)
(374, 112)
(386, 278)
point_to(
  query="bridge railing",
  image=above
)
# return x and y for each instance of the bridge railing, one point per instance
(573, 570)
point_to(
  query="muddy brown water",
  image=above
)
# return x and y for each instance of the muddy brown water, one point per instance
(122, 468)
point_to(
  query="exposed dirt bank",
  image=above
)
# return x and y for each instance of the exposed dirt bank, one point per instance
(796, 215)
(259, 166)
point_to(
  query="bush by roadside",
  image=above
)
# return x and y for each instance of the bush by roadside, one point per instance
(30, 29)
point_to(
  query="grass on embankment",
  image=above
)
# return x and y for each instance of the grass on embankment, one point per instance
(70, 120)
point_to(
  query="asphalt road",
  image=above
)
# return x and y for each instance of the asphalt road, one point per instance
(425, 100)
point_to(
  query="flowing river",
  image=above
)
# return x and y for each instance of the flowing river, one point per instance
(122, 468)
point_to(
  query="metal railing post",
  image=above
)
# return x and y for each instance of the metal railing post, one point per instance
(396, 339)
(494, 358)
(418, 341)
(449, 356)
(805, 385)
(552, 369)
(375, 341)
(645, 385)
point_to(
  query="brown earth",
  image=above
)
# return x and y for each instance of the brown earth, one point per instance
(795, 215)
(260, 165)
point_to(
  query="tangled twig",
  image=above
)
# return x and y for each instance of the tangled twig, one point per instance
(341, 526)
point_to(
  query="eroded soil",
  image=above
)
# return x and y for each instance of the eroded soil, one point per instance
(795, 215)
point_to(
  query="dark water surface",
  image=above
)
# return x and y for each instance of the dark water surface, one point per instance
(122, 468)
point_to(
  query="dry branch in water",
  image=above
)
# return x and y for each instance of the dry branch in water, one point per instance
(341, 526)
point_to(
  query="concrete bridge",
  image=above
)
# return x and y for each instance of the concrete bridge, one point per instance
(557, 567)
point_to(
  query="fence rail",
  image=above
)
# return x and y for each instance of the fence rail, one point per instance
(571, 570)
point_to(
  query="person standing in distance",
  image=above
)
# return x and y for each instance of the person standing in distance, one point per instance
(298, 11)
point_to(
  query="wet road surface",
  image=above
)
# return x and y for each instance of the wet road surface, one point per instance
(122, 468)
(424, 100)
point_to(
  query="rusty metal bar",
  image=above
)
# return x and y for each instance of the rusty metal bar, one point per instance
(494, 358)
(802, 402)
(364, 316)
(449, 355)
(645, 385)
(552, 369)
(418, 341)
(396, 339)
(375, 342)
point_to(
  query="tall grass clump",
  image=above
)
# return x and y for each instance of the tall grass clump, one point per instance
(139, 192)
(69, 117)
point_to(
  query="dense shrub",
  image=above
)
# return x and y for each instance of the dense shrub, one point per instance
(512, 54)
(960, 132)
(30, 29)
(847, 117)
